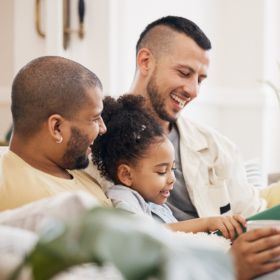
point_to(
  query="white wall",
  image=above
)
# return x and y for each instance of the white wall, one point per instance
(272, 72)
(245, 36)
(233, 100)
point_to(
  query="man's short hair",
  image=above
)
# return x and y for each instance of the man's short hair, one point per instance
(49, 85)
(173, 23)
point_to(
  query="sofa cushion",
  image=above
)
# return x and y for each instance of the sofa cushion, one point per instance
(63, 206)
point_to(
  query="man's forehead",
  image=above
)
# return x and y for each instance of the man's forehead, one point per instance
(94, 94)
(94, 100)
(186, 53)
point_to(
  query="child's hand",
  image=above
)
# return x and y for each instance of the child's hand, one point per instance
(229, 226)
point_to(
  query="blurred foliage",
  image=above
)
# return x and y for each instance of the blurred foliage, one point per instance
(101, 236)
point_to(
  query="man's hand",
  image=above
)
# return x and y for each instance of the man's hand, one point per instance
(253, 252)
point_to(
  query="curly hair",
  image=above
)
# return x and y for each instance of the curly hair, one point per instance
(130, 131)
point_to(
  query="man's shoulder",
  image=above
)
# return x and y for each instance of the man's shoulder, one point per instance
(9, 162)
(17, 183)
(197, 127)
(196, 132)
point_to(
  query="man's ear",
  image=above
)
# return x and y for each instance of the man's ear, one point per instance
(124, 174)
(55, 127)
(145, 61)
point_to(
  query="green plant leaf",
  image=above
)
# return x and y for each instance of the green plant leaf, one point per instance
(101, 236)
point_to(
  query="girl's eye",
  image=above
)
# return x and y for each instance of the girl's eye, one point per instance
(161, 172)
(173, 169)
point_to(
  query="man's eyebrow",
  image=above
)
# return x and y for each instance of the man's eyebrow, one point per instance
(96, 115)
(185, 67)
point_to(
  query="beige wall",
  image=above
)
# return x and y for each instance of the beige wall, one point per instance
(6, 62)
(6, 42)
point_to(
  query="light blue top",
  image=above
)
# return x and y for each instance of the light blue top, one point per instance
(130, 200)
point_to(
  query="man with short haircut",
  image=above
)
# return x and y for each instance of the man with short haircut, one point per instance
(171, 63)
(56, 109)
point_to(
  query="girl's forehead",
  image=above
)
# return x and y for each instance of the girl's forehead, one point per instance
(160, 150)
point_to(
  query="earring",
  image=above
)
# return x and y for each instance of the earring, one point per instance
(59, 141)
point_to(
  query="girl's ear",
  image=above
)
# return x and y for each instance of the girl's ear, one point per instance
(124, 174)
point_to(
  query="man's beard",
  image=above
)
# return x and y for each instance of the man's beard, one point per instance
(158, 102)
(75, 156)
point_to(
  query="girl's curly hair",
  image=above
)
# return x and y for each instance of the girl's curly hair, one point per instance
(130, 131)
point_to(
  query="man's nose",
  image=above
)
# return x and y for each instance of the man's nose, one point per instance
(102, 127)
(191, 87)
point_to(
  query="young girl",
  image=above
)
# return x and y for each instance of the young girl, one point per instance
(138, 158)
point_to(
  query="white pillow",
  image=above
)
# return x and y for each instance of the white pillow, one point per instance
(14, 244)
(68, 205)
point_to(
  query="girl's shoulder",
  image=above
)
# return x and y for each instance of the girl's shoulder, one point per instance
(128, 199)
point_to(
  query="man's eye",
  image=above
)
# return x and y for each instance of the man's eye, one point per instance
(184, 74)
(96, 120)
(161, 172)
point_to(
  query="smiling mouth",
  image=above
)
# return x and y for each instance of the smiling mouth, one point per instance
(165, 193)
(180, 101)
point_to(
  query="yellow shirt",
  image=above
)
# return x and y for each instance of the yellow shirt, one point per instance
(272, 194)
(20, 183)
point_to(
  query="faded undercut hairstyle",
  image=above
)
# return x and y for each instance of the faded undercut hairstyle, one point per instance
(157, 37)
(49, 85)
(130, 132)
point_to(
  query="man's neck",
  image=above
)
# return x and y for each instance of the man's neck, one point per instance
(36, 157)
(166, 126)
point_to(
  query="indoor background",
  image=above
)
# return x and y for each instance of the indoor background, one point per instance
(245, 36)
